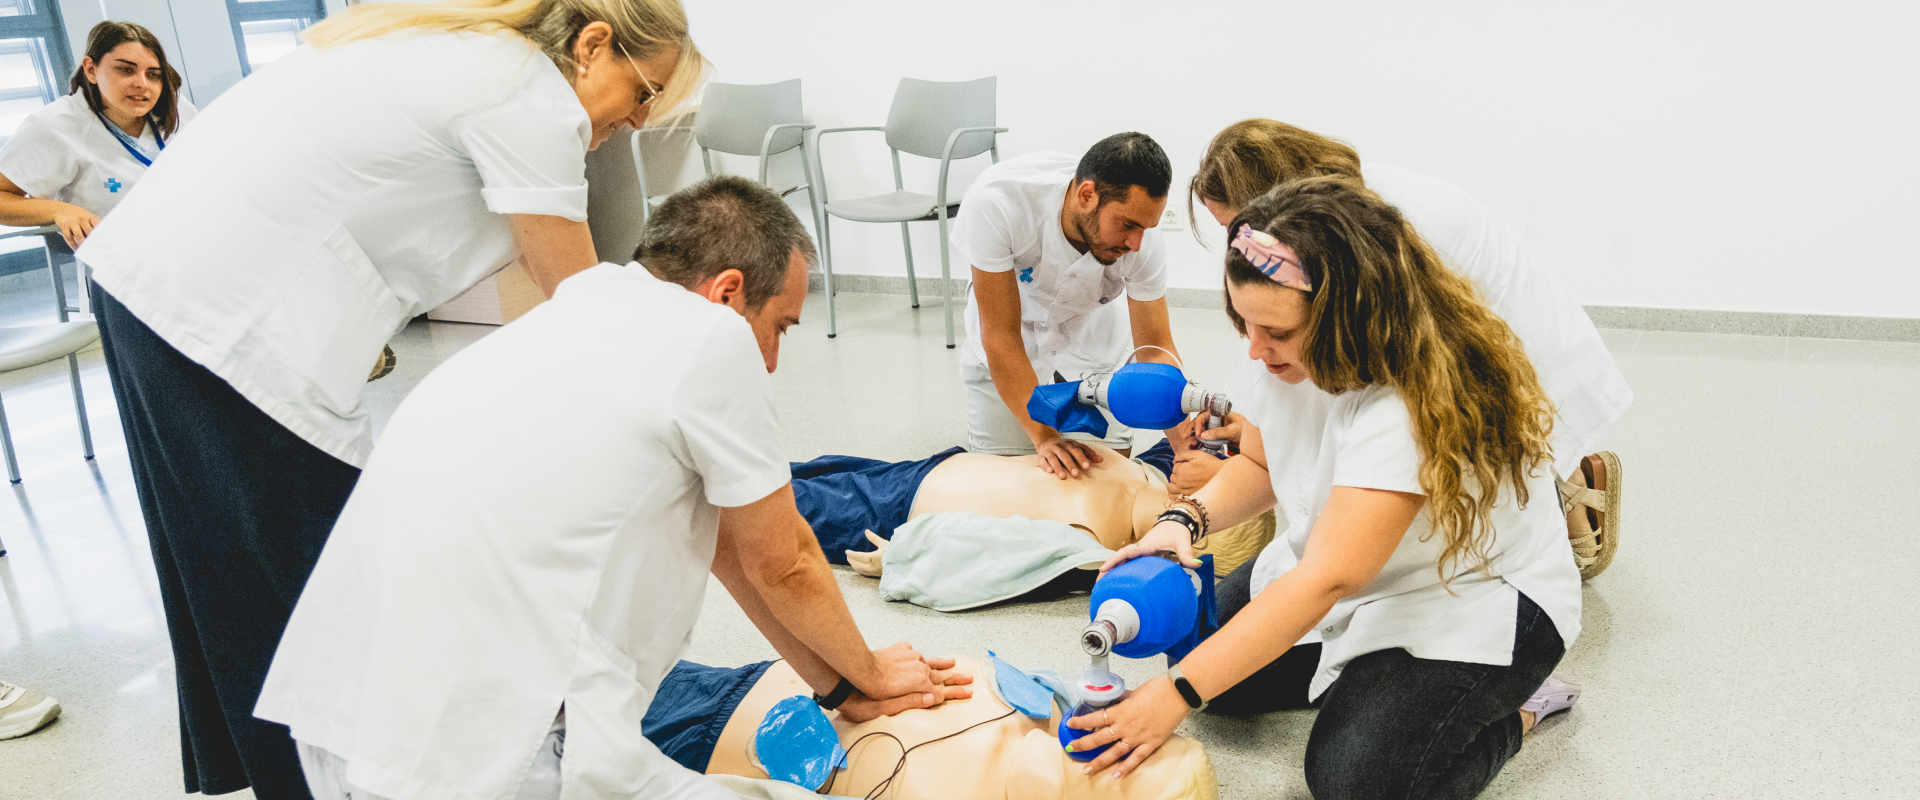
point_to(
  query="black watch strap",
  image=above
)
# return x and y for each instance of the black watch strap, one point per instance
(1187, 692)
(836, 697)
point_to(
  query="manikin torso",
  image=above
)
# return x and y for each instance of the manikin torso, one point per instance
(1014, 757)
(1115, 501)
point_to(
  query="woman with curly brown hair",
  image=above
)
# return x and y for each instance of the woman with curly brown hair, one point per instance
(1589, 394)
(1423, 591)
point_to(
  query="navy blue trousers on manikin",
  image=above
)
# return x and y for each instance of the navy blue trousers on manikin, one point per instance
(237, 508)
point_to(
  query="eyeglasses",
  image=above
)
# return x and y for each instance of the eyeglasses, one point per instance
(652, 90)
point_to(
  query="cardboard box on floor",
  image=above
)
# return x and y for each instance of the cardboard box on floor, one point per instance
(498, 300)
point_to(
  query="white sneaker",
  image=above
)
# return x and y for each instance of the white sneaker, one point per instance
(23, 710)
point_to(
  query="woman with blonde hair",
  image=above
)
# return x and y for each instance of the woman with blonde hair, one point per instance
(1423, 592)
(403, 154)
(1588, 392)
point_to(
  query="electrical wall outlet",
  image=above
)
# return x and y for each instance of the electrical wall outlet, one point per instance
(1170, 220)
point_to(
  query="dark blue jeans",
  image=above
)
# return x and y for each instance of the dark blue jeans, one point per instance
(1397, 726)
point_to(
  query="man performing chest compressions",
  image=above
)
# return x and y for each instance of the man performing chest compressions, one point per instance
(1055, 244)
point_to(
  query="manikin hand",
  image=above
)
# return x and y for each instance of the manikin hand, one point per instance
(1166, 537)
(950, 683)
(75, 223)
(1062, 457)
(1136, 726)
(868, 564)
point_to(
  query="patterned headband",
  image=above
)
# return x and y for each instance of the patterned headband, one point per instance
(1273, 258)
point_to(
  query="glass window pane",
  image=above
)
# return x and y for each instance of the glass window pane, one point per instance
(270, 39)
(16, 8)
(26, 83)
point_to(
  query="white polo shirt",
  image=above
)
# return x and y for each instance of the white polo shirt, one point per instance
(536, 528)
(1578, 373)
(330, 197)
(64, 152)
(1364, 439)
(1072, 317)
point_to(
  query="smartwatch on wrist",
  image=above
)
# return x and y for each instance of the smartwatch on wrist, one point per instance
(836, 697)
(1187, 692)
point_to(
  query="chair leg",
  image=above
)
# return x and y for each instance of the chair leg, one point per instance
(826, 265)
(3, 547)
(913, 287)
(80, 405)
(946, 278)
(59, 286)
(6, 442)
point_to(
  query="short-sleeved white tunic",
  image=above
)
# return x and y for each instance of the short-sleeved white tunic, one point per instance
(1315, 441)
(1072, 317)
(536, 527)
(330, 197)
(64, 152)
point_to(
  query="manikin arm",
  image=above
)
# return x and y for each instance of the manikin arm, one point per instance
(770, 561)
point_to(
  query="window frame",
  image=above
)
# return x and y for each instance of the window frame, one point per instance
(239, 11)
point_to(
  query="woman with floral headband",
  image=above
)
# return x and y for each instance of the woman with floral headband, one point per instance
(1585, 386)
(1424, 591)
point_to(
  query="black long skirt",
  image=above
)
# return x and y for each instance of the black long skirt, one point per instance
(237, 509)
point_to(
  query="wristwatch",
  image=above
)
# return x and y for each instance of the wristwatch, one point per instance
(836, 697)
(1187, 692)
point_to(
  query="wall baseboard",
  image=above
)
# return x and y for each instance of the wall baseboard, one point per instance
(1757, 323)
(1681, 320)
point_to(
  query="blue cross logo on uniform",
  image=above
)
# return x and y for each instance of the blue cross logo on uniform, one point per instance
(1026, 275)
(113, 185)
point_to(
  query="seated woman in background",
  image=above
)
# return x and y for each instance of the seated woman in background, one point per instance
(976, 746)
(72, 161)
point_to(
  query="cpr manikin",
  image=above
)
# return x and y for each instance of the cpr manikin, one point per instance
(1115, 501)
(1014, 756)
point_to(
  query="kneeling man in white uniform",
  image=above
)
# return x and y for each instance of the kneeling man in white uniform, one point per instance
(525, 555)
(1056, 243)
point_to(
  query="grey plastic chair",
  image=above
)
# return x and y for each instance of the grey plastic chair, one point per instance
(759, 120)
(930, 119)
(31, 345)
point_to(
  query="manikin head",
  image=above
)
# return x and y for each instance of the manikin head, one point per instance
(735, 243)
(1118, 192)
(628, 60)
(125, 76)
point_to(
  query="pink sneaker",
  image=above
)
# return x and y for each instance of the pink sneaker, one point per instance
(1553, 697)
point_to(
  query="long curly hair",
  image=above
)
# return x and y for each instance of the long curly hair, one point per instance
(1385, 309)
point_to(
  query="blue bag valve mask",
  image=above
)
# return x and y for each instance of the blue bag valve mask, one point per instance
(795, 743)
(1056, 406)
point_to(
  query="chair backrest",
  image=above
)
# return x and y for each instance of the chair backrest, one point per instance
(734, 118)
(925, 113)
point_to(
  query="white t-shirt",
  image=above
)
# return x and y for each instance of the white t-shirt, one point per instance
(1364, 439)
(64, 152)
(1071, 315)
(536, 527)
(1578, 373)
(330, 197)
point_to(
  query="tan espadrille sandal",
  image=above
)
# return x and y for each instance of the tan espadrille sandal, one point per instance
(1593, 513)
(385, 364)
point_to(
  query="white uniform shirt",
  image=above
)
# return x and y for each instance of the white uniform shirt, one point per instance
(332, 196)
(64, 152)
(536, 527)
(1364, 439)
(1072, 317)
(1578, 373)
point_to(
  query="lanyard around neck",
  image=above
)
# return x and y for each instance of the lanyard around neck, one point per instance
(133, 145)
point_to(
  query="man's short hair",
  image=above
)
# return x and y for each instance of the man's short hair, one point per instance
(721, 224)
(1122, 161)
